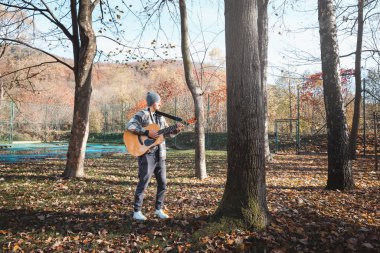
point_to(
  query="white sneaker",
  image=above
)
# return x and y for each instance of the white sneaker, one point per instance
(139, 216)
(161, 214)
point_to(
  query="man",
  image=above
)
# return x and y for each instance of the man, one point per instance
(153, 161)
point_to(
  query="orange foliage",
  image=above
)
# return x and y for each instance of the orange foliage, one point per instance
(219, 95)
(169, 88)
(139, 106)
(312, 88)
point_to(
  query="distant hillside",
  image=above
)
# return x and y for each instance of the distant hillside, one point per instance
(55, 82)
(112, 83)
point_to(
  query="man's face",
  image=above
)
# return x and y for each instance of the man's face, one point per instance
(157, 105)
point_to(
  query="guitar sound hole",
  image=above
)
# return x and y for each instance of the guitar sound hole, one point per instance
(149, 142)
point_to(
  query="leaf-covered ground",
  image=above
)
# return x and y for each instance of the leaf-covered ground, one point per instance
(39, 212)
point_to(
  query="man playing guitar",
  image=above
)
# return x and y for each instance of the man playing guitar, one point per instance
(153, 161)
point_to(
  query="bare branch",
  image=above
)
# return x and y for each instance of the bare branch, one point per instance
(54, 20)
(3, 48)
(24, 7)
(352, 53)
(28, 68)
(114, 22)
(93, 5)
(40, 50)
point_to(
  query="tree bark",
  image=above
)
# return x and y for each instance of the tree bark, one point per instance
(262, 23)
(358, 83)
(245, 192)
(1, 92)
(339, 165)
(197, 94)
(200, 151)
(84, 47)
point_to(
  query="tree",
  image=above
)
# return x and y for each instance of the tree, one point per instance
(245, 192)
(197, 94)
(83, 41)
(262, 21)
(339, 164)
(84, 51)
(358, 82)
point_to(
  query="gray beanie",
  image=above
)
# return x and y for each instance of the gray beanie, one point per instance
(152, 97)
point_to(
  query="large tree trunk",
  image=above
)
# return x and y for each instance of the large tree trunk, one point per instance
(245, 192)
(84, 54)
(358, 83)
(262, 23)
(197, 94)
(339, 164)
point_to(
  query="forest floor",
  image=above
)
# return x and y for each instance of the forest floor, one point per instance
(41, 212)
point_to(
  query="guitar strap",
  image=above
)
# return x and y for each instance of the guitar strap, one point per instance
(154, 119)
(170, 116)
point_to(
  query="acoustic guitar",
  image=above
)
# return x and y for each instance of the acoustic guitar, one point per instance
(138, 145)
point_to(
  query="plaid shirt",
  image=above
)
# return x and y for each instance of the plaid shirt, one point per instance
(144, 118)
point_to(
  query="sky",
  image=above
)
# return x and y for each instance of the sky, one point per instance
(206, 24)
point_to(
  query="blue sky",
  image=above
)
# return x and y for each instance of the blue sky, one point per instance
(206, 24)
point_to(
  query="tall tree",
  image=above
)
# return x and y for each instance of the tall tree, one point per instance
(197, 94)
(84, 51)
(358, 81)
(83, 40)
(245, 192)
(262, 21)
(339, 165)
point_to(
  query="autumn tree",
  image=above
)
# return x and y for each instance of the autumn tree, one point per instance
(217, 99)
(79, 31)
(197, 94)
(339, 163)
(245, 191)
(170, 81)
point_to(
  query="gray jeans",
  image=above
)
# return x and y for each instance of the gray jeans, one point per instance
(149, 164)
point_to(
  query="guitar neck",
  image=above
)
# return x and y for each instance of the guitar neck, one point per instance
(167, 130)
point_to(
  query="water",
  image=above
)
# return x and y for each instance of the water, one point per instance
(35, 151)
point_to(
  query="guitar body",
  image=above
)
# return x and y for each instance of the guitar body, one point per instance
(138, 145)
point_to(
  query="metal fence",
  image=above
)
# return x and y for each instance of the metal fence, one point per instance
(311, 118)
(304, 133)
(6, 122)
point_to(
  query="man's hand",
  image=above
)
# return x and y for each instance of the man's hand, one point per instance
(153, 134)
(179, 126)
